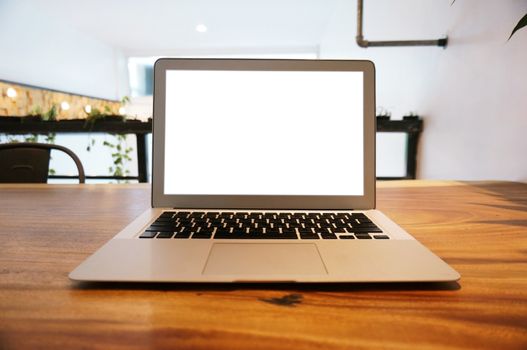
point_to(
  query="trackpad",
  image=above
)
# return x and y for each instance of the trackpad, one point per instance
(264, 259)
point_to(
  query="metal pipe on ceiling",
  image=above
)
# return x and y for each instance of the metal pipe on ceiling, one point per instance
(390, 43)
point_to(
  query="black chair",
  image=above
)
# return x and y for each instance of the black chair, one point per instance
(26, 162)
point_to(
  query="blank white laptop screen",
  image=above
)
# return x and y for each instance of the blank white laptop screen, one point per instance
(264, 133)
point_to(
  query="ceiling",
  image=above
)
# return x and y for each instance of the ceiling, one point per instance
(160, 27)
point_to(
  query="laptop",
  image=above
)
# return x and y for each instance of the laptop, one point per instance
(263, 171)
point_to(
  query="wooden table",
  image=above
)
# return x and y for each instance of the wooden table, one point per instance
(478, 228)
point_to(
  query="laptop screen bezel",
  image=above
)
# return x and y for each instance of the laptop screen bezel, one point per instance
(293, 202)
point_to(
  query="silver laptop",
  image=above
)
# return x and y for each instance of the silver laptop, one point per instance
(263, 171)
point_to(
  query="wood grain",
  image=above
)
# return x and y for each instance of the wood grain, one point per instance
(479, 228)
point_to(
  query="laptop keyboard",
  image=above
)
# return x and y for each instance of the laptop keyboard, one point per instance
(262, 225)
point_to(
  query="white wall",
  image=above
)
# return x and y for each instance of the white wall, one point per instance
(472, 94)
(38, 48)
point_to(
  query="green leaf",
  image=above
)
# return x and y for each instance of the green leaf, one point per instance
(522, 23)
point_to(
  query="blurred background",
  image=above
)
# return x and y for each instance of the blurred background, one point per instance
(465, 104)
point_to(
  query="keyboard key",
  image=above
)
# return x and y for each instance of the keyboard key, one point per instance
(165, 219)
(360, 230)
(328, 236)
(201, 235)
(346, 237)
(359, 216)
(184, 234)
(239, 231)
(230, 235)
(363, 236)
(165, 235)
(381, 237)
(280, 236)
(255, 230)
(309, 235)
(288, 231)
(289, 234)
(148, 234)
(366, 227)
(159, 228)
(271, 231)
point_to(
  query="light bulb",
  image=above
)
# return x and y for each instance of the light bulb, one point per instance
(201, 28)
(65, 106)
(87, 109)
(11, 92)
(122, 110)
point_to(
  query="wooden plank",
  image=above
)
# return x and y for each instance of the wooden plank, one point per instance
(479, 228)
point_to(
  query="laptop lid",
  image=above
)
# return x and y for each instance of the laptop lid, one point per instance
(264, 134)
